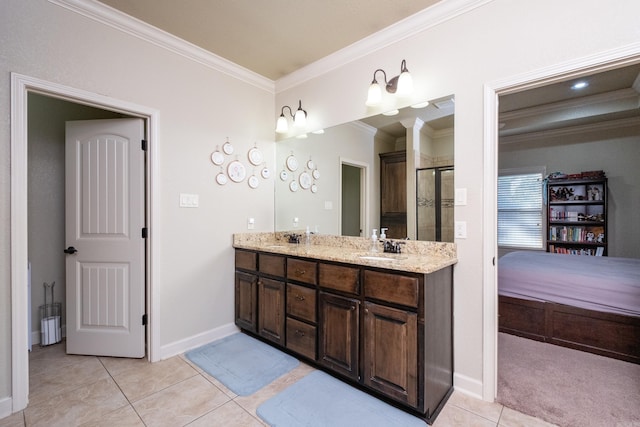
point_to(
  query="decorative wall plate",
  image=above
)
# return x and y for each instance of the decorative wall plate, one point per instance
(305, 180)
(254, 182)
(311, 165)
(255, 156)
(266, 173)
(284, 175)
(217, 158)
(293, 186)
(227, 148)
(292, 163)
(314, 188)
(221, 178)
(316, 174)
(236, 171)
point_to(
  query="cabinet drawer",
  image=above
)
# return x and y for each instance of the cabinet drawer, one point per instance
(246, 260)
(394, 288)
(271, 264)
(340, 278)
(301, 338)
(301, 302)
(302, 271)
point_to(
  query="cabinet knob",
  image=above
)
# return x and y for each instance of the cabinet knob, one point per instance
(300, 297)
(299, 333)
(300, 272)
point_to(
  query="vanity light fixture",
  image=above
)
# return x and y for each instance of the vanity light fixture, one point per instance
(299, 119)
(401, 85)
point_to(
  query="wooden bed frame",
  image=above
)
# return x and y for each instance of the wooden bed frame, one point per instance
(606, 334)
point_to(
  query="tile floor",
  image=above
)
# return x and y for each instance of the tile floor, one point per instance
(102, 391)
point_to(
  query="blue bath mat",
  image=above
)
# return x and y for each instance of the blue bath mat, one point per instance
(242, 363)
(319, 400)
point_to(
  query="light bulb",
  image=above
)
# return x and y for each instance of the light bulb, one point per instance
(405, 84)
(300, 118)
(374, 96)
(282, 126)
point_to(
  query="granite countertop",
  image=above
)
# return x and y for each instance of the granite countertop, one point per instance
(416, 257)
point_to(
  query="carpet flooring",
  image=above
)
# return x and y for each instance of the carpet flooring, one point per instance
(567, 387)
(242, 363)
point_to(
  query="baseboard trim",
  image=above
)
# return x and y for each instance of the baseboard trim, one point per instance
(6, 407)
(469, 386)
(181, 346)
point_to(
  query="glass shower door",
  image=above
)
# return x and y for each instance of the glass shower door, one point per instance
(435, 194)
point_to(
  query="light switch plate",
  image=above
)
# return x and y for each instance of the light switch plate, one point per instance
(189, 200)
(461, 229)
(461, 197)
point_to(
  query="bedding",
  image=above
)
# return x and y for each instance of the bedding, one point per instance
(605, 284)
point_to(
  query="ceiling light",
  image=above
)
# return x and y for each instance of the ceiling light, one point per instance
(299, 119)
(401, 85)
(420, 105)
(391, 113)
(579, 85)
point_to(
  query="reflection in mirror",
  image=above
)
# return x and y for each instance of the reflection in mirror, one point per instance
(342, 184)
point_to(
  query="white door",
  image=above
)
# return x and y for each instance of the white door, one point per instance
(105, 261)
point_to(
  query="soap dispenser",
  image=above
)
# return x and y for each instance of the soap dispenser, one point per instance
(307, 240)
(383, 233)
(374, 240)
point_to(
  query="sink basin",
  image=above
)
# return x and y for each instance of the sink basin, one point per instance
(378, 258)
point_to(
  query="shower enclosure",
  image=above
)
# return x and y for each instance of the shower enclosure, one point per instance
(434, 204)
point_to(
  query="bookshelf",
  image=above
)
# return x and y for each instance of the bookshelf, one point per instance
(577, 215)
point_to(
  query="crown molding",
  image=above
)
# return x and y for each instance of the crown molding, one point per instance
(611, 125)
(406, 28)
(107, 15)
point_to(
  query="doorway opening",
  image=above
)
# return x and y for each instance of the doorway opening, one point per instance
(583, 67)
(353, 198)
(21, 88)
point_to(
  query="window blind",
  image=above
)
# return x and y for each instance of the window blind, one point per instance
(520, 210)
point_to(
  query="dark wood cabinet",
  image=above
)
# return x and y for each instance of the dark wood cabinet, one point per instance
(246, 304)
(393, 193)
(390, 359)
(388, 331)
(339, 334)
(271, 303)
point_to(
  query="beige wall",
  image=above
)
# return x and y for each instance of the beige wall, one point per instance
(495, 42)
(199, 107)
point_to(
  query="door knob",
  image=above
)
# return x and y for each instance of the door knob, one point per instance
(70, 250)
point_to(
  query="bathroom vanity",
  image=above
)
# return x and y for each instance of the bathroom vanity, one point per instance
(381, 322)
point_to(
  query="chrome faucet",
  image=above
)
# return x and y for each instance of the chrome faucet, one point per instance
(389, 246)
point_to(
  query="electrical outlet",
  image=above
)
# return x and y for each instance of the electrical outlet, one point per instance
(461, 229)
(461, 197)
(295, 222)
(251, 223)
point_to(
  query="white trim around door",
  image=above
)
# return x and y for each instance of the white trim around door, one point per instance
(21, 86)
(614, 58)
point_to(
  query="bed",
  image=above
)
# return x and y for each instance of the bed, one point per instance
(582, 302)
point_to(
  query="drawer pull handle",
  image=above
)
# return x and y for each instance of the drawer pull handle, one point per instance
(299, 333)
(300, 297)
(300, 272)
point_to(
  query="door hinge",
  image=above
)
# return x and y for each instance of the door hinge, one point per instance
(144, 145)
(145, 232)
(144, 319)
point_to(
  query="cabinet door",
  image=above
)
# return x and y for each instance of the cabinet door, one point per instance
(391, 352)
(271, 310)
(338, 328)
(246, 301)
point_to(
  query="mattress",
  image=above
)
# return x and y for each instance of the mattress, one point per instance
(606, 284)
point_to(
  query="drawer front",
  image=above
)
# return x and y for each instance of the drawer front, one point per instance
(302, 271)
(246, 260)
(271, 264)
(340, 278)
(301, 302)
(301, 338)
(390, 287)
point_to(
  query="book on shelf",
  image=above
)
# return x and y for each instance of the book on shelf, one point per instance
(599, 251)
(578, 234)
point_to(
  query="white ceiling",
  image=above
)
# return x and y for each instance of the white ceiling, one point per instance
(271, 37)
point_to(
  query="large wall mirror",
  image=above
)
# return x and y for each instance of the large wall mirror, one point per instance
(331, 182)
